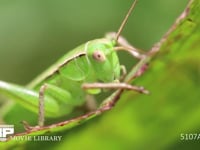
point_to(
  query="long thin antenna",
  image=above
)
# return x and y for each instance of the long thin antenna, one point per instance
(125, 20)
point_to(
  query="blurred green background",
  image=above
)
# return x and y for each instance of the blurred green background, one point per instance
(34, 34)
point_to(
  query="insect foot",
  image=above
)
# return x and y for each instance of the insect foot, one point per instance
(27, 127)
(141, 89)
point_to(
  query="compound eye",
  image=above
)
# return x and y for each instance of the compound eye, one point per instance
(99, 56)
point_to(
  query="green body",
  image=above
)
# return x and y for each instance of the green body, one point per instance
(94, 61)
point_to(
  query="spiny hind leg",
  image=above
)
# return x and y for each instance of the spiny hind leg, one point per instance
(61, 98)
(40, 111)
(41, 105)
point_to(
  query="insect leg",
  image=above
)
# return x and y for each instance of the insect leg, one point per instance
(124, 44)
(61, 96)
(124, 72)
(113, 85)
(91, 103)
(41, 105)
(41, 111)
(108, 104)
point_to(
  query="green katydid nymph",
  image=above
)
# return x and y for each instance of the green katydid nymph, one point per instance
(87, 69)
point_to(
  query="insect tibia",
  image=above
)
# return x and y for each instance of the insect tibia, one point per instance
(123, 86)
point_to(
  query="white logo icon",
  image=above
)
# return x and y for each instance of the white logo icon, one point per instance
(6, 130)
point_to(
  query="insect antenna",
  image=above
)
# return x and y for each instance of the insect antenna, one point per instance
(125, 46)
(125, 20)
